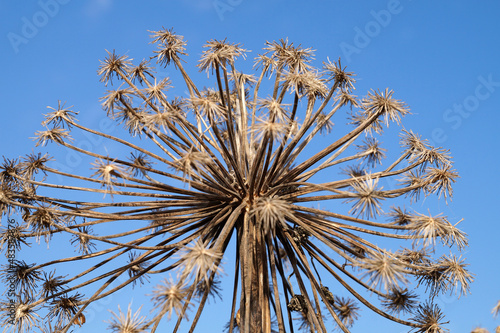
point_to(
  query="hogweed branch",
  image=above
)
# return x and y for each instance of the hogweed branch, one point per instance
(236, 170)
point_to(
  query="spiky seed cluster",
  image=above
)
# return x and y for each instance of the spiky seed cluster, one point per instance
(127, 323)
(233, 169)
(346, 309)
(137, 268)
(24, 277)
(383, 271)
(199, 261)
(400, 301)
(170, 297)
(367, 197)
(22, 312)
(52, 284)
(64, 309)
(430, 317)
(271, 212)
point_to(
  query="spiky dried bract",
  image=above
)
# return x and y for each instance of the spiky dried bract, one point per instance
(156, 91)
(440, 180)
(399, 216)
(52, 284)
(287, 56)
(141, 164)
(115, 99)
(21, 312)
(242, 79)
(112, 65)
(399, 301)
(267, 128)
(455, 272)
(60, 117)
(109, 172)
(162, 120)
(133, 119)
(138, 268)
(418, 257)
(274, 109)
(382, 103)
(211, 288)
(271, 212)
(11, 171)
(421, 152)
(367, 197)
(455, 236)
(337, 73)
(32, 164)
(63, 308)
(427, 228)
(345, 98)
(141, 72)
(192, 162)
(55, 134)
(383, 270)
(429, 317)
(22, 276)
(127, 323)
(209, 106)
(233, 170)
(13, 237)
(82, 240)
(199, 260)
(43, 220)
(170, 297)
(305, 83)
(383, 107)
(446, 274)
(346, 309)
(304, 322)
(413, 142)
(170, 46)
(373, 153)
(354, 171)
(414, 184)
(218, 54)
(324, 123)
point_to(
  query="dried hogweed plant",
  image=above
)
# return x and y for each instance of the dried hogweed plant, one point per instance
(236, 170)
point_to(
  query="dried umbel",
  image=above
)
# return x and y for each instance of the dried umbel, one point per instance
(253, 166)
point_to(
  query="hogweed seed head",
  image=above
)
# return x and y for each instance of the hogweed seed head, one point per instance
(127, 323)
(249, 166)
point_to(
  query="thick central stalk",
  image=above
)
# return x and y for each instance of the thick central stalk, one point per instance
(255, 308)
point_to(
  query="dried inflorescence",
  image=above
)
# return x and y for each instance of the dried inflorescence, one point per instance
(235, 170)
(127, 323)
(22, 310)
(430, 318)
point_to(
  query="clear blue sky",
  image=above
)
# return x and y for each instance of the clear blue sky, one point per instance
(442, 58)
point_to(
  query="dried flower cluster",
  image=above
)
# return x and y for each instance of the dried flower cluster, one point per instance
(237, 168)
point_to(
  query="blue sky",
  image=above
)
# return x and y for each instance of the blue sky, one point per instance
(442, 58)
